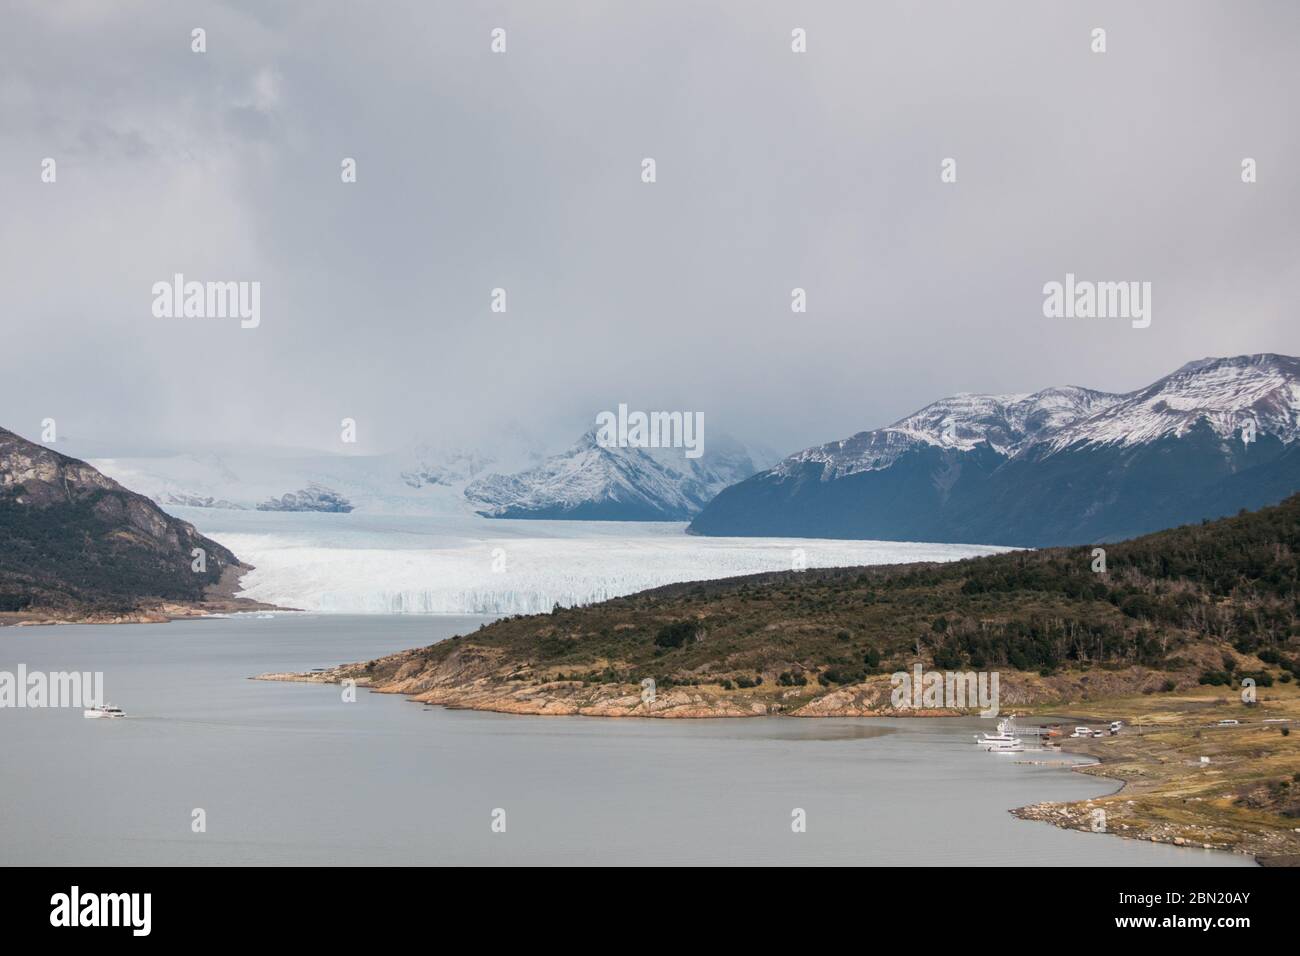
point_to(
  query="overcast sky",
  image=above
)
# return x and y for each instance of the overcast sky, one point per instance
(522, 170)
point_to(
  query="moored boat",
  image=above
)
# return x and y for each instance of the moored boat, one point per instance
(1004, 741)
(1013, 746)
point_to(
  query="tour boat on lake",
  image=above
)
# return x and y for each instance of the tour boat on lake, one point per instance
(104, 710)
(1004, 741)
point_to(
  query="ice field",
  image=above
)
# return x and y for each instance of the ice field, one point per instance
(453, 564)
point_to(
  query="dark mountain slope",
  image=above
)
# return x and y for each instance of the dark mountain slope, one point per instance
(73, 542)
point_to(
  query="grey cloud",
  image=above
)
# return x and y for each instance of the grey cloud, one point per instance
(775, 170)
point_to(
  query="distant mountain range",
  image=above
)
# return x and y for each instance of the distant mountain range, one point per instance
(1065, 465)
(421, 480)
(74, 543)
(593, 482)
(514, 480)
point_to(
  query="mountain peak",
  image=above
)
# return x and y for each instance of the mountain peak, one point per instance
(961, 422)
(1256, 360)
(1225, 392)
(595, 481)
(1222, 393)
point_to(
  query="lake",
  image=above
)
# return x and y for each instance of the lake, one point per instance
(291, 774)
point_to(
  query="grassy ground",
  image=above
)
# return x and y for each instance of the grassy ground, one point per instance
(1245, 799)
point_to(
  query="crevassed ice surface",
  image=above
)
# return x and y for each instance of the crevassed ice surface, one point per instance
(375, 564)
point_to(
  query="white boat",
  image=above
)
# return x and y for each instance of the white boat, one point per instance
(104, 710)
(1013, 746)
(1006, 731)
(1004, 741)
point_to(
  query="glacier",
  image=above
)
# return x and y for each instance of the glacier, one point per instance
(450, 564)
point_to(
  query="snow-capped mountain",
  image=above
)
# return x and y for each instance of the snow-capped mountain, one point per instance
(508, 477)
(592, 482)
(1222, 394)
(1005, 423)
(1064, 465)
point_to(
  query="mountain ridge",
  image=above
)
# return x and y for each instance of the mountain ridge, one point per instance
(75, 544)
(1063, 465)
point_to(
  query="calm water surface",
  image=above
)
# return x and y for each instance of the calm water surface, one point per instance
(289, 773)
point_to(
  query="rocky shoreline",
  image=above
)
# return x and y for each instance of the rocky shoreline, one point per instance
(564, 698)
(219, 599)
(1080, 816)
(1188, 782)
(460, 674)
